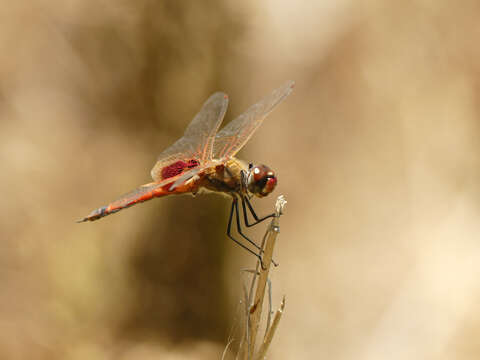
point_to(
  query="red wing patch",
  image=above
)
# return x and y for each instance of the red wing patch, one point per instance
(178, 167)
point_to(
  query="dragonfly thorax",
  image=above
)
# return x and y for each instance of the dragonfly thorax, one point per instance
(261, 180)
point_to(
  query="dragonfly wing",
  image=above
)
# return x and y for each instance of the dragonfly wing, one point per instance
(195, 147)
(237, 132)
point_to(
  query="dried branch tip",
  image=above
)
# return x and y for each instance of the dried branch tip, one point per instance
(279, 205)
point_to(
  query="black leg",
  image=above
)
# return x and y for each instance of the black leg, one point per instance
(229, 232)
(239, 227)
(257, 221)
(250, 207)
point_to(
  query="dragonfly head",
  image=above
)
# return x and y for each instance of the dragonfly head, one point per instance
(261, 180)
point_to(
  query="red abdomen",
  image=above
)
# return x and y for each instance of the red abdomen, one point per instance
(140, 194)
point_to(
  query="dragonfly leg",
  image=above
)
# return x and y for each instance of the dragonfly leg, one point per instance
(258, 220)
(239, 227)
(246, 222)
(229, 232)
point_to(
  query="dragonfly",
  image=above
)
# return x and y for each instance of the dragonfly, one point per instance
(203, 160)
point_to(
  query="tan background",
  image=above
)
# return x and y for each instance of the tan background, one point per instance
(376, 151)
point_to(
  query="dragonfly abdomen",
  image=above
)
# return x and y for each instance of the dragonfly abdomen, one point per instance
(139, 195)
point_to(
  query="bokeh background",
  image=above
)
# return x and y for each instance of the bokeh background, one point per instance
(376, 152)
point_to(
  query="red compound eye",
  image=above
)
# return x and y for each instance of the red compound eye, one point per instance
(263, 180)
(270, 185)
(260, 172)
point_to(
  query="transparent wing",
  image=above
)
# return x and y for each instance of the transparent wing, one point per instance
(195, 147)
(236, 133)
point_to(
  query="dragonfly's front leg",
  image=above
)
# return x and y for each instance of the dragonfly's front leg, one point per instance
(258, 220)
(239, 229)
(233, 209)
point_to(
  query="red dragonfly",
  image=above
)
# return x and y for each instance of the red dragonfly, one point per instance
(203, 159)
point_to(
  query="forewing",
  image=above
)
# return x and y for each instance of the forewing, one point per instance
(236, 133)
(196, 144)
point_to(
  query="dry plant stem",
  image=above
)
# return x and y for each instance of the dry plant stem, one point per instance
(270, 333)
(256, 307)
(245, 341)
(253, 309)
(241, 349)
(226, 349)
(269, 314)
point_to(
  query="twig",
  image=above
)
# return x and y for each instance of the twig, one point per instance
(226, 349)
(253, 298)
(244, 341)
(256, 307)
(271, 331)
(270, 312)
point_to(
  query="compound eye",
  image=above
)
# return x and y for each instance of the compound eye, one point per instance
(262, 180)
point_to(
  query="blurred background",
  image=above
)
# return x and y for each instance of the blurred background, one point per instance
(376, 151)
